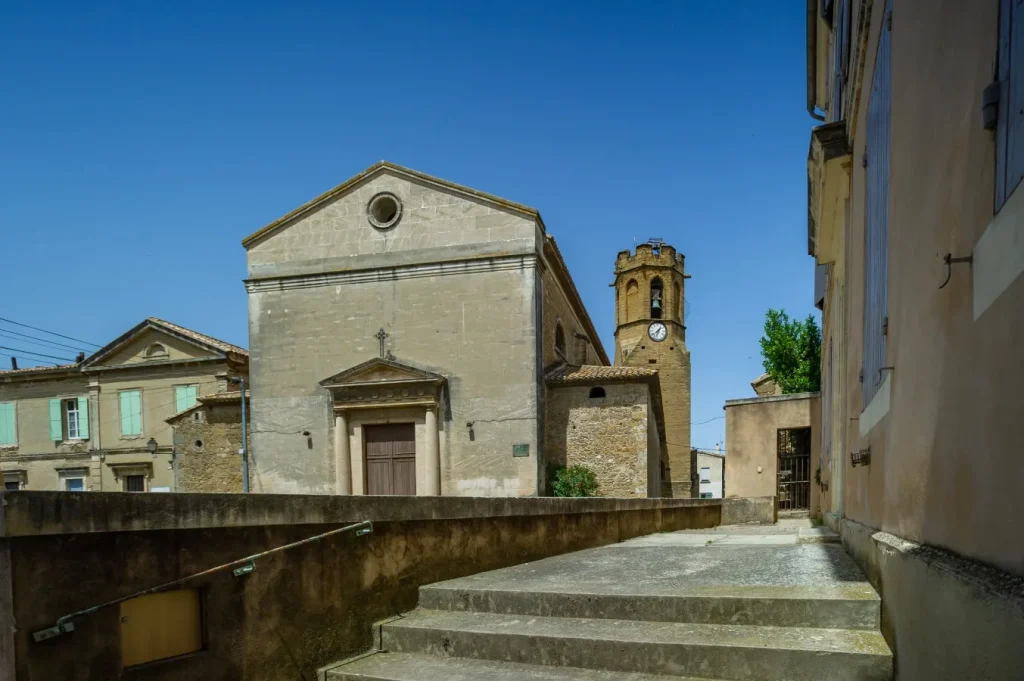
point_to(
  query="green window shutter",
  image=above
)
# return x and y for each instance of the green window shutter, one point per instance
(8, 427)
(56, 425)
(131, 412)
(83, 418)
(184, 397)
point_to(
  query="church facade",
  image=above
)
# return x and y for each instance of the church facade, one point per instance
(409, 335)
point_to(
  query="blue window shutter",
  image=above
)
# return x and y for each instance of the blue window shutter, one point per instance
(56, 423)
(1010, 128)
(8, 426)
(876, 207)
(83, 418)
(180, 398)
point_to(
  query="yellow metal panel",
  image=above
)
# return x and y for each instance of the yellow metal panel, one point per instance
(160, 625)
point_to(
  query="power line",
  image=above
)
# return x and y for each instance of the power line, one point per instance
(53, 364)
(38, 354)
(41, 341)
(36, 328)
(701, 423)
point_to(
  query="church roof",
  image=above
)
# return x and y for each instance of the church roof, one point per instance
(194, 337)
(587, 374)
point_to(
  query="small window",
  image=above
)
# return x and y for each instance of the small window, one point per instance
(560, 340)
(596, 392)
(706, 495)
(705, 474)
(72, 481)
(71, 423)
(156, 351)
(135, 483)
(12, 485)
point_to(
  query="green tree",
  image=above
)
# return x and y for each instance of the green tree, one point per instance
(792, 352)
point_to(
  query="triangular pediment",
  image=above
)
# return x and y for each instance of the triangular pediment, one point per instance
(154, 341)
(378, 370)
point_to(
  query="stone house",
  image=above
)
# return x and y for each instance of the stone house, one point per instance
(208, 445)
(100, 424)
(402, 329)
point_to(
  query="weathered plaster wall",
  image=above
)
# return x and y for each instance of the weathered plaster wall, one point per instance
(751, 436)
(608, 435)
(945, 467)
(454, 286)
(300, 609)
(945, 617)
(32, 400)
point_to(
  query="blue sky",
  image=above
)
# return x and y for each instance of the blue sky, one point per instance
(140, 142)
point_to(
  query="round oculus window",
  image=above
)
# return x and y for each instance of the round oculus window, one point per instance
(384, 210)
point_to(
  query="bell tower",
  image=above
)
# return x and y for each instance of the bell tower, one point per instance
(649, 332)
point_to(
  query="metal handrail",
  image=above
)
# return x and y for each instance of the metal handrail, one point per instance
(65, 625)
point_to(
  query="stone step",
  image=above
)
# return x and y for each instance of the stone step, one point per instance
(848, 606)
(720, 651)
(410, 667)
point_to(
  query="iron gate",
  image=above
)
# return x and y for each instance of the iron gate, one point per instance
(794, 448)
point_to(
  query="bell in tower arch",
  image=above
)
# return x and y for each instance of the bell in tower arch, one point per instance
(656, 292)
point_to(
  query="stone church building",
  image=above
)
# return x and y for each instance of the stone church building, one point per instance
(409, 335)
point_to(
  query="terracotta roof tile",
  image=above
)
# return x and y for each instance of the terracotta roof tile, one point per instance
(38, 370)
(581, 375)
(201, 337)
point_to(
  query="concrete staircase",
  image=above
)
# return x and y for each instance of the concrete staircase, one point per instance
(569, 618)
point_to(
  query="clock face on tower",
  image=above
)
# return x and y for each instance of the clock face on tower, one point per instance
(657, 331)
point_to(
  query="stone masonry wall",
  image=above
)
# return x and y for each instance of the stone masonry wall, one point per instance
(606, 434)
(557, 310)
(206, 451)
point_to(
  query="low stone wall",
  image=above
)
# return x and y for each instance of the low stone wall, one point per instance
(945, 617)
(737, 511)
(299, 609)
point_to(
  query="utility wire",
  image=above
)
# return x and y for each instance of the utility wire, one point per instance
(27, 352)
(52, 364)
(701, 423)
(59, 335)
(7, 333)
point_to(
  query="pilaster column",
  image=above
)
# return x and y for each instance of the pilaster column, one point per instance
(432, 455)
(342, 455)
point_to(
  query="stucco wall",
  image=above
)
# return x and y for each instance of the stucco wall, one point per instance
(32, 400)
(608, 435)
(751, 437)
(299, 609)
(453, 284)
(717, 466)
(945, 467)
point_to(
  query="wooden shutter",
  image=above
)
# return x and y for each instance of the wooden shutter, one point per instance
(184, 397)
(83, 418)
(56, 422)
(8, 426)
(131, 412)
(1010, 129)
(876, 197)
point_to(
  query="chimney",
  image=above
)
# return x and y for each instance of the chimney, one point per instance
(80, 358)
(14, 363)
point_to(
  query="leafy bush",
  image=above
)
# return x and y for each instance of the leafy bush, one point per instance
(574, 481)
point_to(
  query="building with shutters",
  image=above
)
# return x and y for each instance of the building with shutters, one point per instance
(410, 335)
(917, 214)
(100, 424)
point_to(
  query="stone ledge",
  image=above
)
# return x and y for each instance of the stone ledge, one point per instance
(55, 513)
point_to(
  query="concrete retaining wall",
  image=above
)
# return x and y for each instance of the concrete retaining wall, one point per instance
(945, 617)
(300, 608)
(736, 511)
